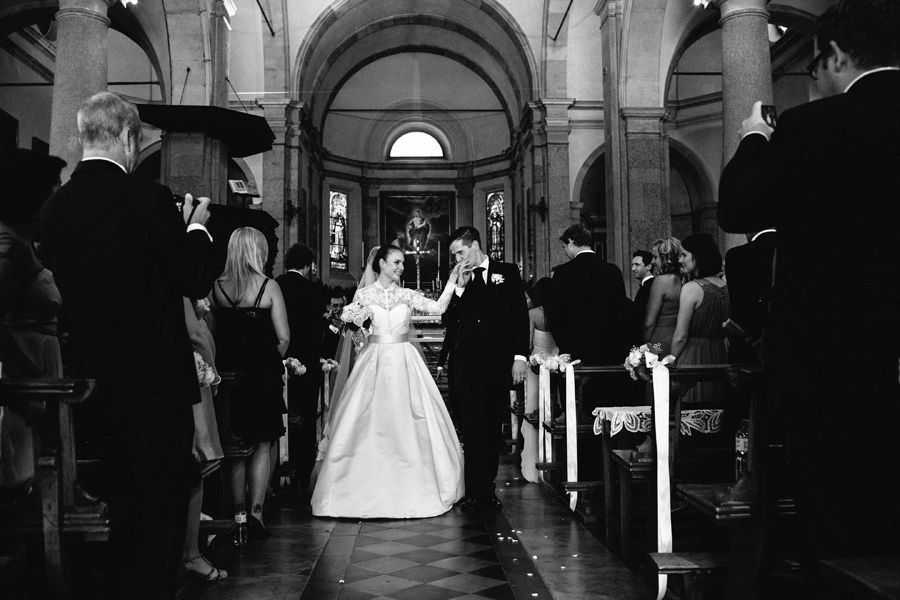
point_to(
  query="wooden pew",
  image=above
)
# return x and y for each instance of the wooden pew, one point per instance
(47, 408)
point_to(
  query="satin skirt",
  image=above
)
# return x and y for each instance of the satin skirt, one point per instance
(392, 450)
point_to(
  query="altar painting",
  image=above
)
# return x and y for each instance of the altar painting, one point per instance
(419, 224)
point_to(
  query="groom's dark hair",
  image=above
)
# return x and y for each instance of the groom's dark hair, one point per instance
(466, 235)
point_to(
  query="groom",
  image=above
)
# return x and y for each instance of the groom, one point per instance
(489, 352)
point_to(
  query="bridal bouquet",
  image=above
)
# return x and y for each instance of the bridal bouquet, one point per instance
(328, 364)
(294, 367)
(205, 374)
(356, 316)
(555, 363)
(636, 363)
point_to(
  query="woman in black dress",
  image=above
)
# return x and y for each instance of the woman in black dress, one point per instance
(252, 335)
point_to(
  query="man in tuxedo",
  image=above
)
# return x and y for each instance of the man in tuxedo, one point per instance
(124, 256)
(491, 343)
(642, 270)
(303, 301)
(589, 314)
(749, 271)
(827, 179)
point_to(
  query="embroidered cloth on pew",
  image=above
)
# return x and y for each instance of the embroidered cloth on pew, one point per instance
(636, 419)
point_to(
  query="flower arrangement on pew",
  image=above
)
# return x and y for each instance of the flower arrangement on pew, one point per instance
(328, 364)
(205, 373)
(636, 362)
(294, 367)
(358, 319)
(555, 363)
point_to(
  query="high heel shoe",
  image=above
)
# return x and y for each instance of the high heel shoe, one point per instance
(213, 574)
(256, 530)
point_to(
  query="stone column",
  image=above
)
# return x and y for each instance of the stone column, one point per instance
(80, 72)
(370, 225)
(617, 241)
(553, 131)
(465, 199)
(275, 163)
(746, 73)
(648, 209)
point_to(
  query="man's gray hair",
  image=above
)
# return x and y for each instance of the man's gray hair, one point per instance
(103, 116)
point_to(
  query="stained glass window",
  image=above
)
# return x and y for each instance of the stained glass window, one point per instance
(338, 231)
(496, 234)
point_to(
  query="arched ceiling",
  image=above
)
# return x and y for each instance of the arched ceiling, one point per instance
(488, 48)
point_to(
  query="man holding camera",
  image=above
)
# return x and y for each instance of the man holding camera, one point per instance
(124, 256)
(827, 179)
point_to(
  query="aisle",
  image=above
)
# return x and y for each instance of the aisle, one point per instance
(532, 549)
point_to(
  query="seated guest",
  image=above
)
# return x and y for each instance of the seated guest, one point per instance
(699, 337)
(665, 294)
(29, 302)
(252, 335)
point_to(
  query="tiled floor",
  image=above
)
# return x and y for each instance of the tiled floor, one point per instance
(532, 549)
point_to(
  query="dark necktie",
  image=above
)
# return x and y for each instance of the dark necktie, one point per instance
(478, 277)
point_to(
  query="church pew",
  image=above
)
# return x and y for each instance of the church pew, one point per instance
(47, 408)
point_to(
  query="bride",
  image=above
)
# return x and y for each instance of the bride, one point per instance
(390, 449)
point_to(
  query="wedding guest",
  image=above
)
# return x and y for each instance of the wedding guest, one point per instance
(540, 341)
(642, 269)
(123, 257)
(665, 295)
(833, 349)
(207, 446)
(252, 335)
(703, 306)
(303, 301)
(749, 273)
(29, 302)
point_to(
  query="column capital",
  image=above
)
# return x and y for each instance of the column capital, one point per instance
(608, 8)
(731, 9)
(554, 122)
(648, 121)
(90, 9)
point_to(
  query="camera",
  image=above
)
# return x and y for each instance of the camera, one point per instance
(769, 115)
(179, 201)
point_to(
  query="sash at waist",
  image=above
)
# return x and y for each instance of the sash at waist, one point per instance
(389, 339)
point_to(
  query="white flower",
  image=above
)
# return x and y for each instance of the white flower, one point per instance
(497, 278)
(205, 373)
(328, 364)
(634, 357)
(294, 366)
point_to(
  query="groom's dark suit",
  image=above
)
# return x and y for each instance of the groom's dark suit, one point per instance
(491, 329)
(119, 252)
(829, 182)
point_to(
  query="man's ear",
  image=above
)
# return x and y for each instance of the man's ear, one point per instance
(476, 245)
(842, 60)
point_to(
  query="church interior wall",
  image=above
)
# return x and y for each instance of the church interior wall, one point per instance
(585, 52)
(245, 48)
(30, 105)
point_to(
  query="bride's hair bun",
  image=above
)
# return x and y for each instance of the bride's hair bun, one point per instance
(382, 254)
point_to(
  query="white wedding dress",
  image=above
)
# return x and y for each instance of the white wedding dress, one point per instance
(391, 450)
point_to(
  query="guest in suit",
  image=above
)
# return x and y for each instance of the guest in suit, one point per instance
(330, 324)
(748, 269)
(303, 301)
(642, 270)
(829, 173)
(123, 257)
(491, 320)
(589, 314)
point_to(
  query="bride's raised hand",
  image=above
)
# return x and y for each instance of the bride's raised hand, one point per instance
(464, 273)
(453, 278)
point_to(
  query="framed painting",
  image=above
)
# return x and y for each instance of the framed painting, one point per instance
(419, 224)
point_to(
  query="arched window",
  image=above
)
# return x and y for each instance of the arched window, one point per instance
(338, 231)
(496, 234)
(416, 144)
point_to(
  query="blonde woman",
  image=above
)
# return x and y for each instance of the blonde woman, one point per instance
(252, 335)
(665, 294)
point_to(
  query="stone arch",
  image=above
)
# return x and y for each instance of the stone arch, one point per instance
(700, 186)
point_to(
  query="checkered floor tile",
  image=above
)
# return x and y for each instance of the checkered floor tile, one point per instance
(453, 556)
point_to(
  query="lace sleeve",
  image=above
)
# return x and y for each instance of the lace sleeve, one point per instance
(432, 307)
